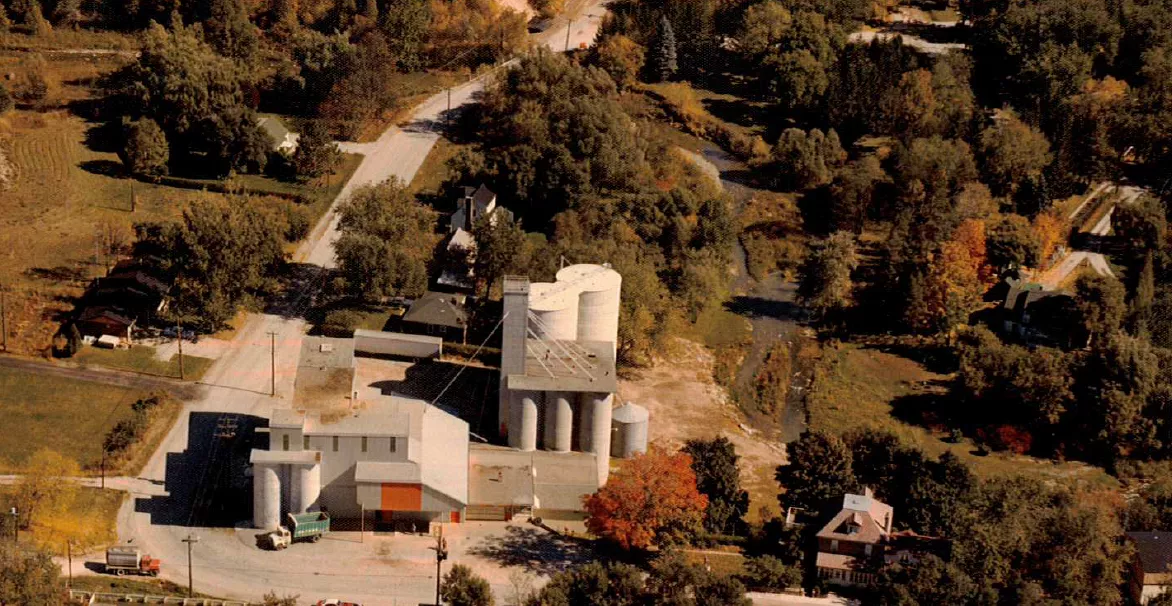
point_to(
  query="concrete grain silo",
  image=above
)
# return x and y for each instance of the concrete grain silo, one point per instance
(599, 289)
(630, 430)
(559, 421)
(266, 496)
(523, 419)
(555, 311)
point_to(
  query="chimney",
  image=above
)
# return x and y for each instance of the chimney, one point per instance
(867, 492)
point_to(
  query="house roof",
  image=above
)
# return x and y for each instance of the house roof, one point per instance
(106, 315)
(462, 239)
(274, 128)
(438, 309)
(135, 279)
(1154, 550)
(482, 199)
(377, 472)
(863, 519)
(836, 561)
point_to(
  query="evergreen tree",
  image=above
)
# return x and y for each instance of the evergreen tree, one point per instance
(1145, 295)
(663, 54)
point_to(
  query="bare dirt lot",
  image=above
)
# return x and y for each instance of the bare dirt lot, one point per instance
(684, 404)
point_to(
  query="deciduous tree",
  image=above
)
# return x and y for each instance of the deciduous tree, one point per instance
(718, 478)
(1101, 305)
(145, 151)
(826, 273)
(651, 500)
(462, 587)
(1012, 244)
(387, 239)
(29, 576)
(1011, 151)
(622, 58)
(316, 152)
(819, 471)
(46, 485)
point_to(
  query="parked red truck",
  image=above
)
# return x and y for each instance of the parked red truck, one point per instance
(126, 559)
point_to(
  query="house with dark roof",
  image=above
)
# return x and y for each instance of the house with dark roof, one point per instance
(1035, 315)
(851, 545)
(438, 314)
(1151, 568)
(132, 295)
(98, 321)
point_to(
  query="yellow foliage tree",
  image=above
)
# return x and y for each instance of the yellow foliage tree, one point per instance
(1051, 232)
(44, 489)
(957, 278)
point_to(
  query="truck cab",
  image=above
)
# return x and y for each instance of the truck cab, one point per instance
(278, 539)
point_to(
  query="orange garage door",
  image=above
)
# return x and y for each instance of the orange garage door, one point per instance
(402, 497)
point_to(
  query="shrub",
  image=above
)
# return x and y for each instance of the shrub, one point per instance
(341, 323)
(767, 573)
(296, 222)
(1006, 438)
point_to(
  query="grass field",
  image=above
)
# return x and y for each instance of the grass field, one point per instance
(857, 387)
(65, 415)
(111, 584)
(90, 521)
(141, 359)
(434, 171)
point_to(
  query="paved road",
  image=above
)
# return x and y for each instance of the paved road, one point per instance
(239, 383)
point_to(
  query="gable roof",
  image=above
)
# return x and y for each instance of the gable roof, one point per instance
(482, 198)
(438, 309)
(1154, 550)
(274, 128)
(869, 517)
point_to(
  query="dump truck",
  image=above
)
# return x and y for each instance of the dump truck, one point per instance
(126, 559)
(301, 527)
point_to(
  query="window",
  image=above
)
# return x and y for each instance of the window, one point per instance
(867, 549)
(392, 444)
(305, 443)
(363, 443)
(285, 442)
(335, 443)
(834, 545)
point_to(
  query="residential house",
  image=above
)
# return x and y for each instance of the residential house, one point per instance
(1151, 568)
(851, 545)
(1035, 315)
(438, 314)
(130, 296)
(98, 321)
(474, 204)
(284, 140)
(461, 253)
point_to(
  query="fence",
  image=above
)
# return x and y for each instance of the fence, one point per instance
(102, 598)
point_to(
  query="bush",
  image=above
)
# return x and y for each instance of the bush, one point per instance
(767, 573)
(296, 222)
(124, 433)
(145, 150)
(1006, 438)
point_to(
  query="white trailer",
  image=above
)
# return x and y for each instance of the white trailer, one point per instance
(379, 343)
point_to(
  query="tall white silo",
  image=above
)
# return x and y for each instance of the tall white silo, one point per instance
(599, 289)
(555, 308)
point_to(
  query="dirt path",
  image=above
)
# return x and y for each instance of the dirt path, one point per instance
(768, 304)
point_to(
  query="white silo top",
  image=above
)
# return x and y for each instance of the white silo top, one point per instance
(631, 413)
(588, 277)
(548, 296)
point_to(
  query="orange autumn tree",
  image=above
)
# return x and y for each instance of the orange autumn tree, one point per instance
(956, 279)
(651, 500)
(1050, 230)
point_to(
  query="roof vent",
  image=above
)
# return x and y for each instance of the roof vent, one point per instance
(327, 347)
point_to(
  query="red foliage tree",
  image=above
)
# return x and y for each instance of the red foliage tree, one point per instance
(651, 500)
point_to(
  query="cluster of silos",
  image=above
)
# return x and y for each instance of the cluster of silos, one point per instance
(582, 305)
(294, 487)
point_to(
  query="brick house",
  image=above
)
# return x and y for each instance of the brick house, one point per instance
(851, 545)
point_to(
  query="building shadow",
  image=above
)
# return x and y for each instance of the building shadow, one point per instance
(208, 483)
(459, 389)
(538, 550)
(302, 283)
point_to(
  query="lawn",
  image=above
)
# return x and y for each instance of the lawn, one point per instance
(61, 414)
(141, 359)
(434, 171)
(90, 521)
(856, 387)
(719, 327)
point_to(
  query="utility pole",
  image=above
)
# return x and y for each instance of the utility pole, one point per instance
(569, 26)
(273, 363)
(103, 466)
(3, 318)
(15, 525)
(69, 557)
(133, 199)
(441, 554)
(190, 540)
(179, 334)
